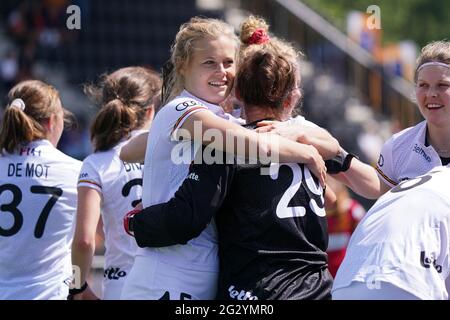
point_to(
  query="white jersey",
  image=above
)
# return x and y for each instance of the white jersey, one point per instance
(120, 186)
(405, 156)
(404, 239)
(167, 163)
(38, 205)
(301, 121)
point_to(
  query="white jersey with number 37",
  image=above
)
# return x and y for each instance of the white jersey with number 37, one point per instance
(38, 204)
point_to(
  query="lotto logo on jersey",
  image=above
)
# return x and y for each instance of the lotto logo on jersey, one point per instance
(241, 295)
(114, 273)
(193, 176)
(426, 262)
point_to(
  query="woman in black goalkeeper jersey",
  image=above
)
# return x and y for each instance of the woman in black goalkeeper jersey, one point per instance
(270, 218)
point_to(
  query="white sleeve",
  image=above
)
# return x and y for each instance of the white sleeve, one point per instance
(310, 124)
(180, 111)
(385, 167)
(301, 121)
(89, 176)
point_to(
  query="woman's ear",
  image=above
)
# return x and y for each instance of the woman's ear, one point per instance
(291, 102)
(49, 123)
(150, 112)
(288, 101)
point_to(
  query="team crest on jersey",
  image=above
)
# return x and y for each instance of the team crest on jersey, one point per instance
(186, 104)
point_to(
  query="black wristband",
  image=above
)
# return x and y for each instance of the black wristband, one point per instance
(130, 224)
(78, 290)
(340, 163)
(347, 161)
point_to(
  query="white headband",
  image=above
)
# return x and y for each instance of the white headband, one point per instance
(18, 103)
(433, 63)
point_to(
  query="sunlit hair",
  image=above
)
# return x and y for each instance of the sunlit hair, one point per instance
(124, 97)
(265, 78)
(20, 127)
(250, 25)
(268, 71)
(184, 48)
(437, 51)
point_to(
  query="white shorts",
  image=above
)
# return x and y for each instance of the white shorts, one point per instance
(150, 279)
(360, 291)
(112, 289)
(35, 291)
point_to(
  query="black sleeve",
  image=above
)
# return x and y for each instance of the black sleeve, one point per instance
(187, 214)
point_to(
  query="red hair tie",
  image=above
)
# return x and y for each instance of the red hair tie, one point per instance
(259, 36)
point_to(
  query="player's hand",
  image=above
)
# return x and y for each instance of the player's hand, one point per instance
(316, 164)
(288, 131)
(128, 218)
(266, 126)
(264, 123)
(139, 206)
(87, 294)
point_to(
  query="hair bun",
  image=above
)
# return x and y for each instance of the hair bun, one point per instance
(251, 25)
(259, 36)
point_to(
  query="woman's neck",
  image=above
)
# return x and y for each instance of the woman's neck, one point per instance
(255, 113)
(439, 138)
